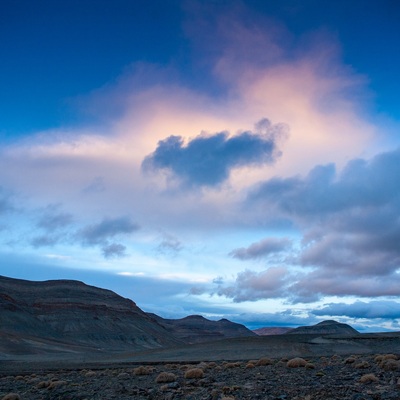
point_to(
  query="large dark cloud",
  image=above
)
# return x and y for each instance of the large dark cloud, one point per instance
(261, 249)
(208, 159)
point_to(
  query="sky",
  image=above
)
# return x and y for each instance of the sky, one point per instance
(233, 159)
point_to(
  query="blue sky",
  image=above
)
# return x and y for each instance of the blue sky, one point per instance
(224, 158)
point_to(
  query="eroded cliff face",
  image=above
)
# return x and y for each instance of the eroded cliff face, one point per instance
(75, 313)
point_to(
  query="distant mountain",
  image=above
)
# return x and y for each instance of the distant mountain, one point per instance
(329, 327)
(69, 316)
(278, 330)
(64, 312)
(196, 329)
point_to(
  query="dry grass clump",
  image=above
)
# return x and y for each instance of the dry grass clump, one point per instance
(369, 378)
(11, 396)
(194, 373)
(296, 362)
(166, 377)
(55, 384)
(212, 364)
(250, 365)
(142, 370)
(310, 366)
(90, 374)
(264, 361)
(390, 357)
(390, 365)
(350, 360)
(362, 365)
(228, 365)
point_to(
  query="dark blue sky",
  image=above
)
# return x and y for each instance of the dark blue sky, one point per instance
(53, 51)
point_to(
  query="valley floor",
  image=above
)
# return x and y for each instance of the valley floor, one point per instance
(358, 377)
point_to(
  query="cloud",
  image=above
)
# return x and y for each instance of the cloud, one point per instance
(54, 225)
(169, 244)
(5, 201)
(113, 250)
(208, 159)
(349, 225)
(252, 286)
(53, 219)
(261, 249)
(108, 228)
(360, 309)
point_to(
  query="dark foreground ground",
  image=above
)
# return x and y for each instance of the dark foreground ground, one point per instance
(365, 367)
(358, 378)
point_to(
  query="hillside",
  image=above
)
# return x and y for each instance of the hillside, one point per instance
(197, 329)
(36, 316)
(277, 330)
(329, 327)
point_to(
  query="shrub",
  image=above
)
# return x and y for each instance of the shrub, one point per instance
(166, 377)
(368, 378)
(264, 361)
(378, 358)
(194, 373)
(231, 365)
(296, 362)
(350, 360)
(390, 365)
(142, 370)
(55, 384)
(11, 396)
(362, 365)
(390, 357)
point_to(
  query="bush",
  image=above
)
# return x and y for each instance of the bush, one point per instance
(296, 362)
(142, 370)
(194, 373)
(11, 396)
(264, 361)
(368, 378)
(166, 377)
(390, 365)
(362, 365)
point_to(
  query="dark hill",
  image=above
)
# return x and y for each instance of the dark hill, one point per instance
(71, 317)
(73, 313)
(197, 329)
(329, 327)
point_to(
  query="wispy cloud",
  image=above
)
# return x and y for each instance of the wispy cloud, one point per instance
(262, 248)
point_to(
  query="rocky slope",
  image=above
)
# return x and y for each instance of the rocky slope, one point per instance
(328, 327)
(49, 315)
(278, 330)
(197, 329)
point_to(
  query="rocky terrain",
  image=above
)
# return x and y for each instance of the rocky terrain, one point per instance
(365, 377)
